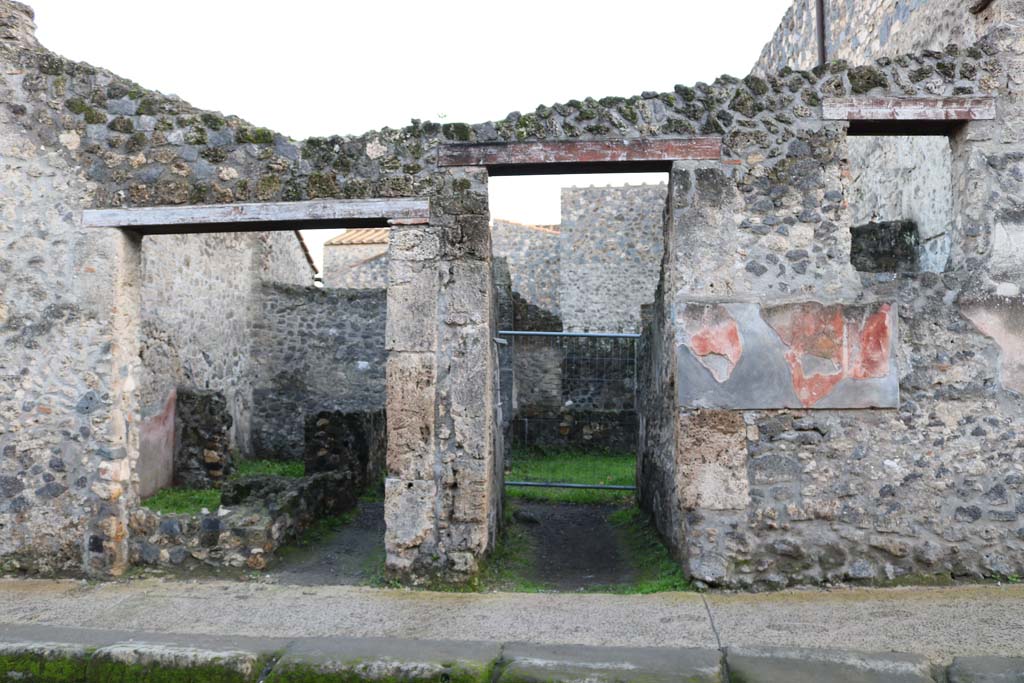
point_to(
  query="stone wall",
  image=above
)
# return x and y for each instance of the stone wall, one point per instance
(200, 304)
(610, 251)
(533, 257)
(355, 266)
(314, 350)
(934, 491)
(859, 30)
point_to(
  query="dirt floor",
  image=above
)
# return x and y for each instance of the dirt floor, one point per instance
(561, 547)
(573, 546)
(350, 556)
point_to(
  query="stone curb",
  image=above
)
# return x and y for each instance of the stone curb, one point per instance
(41, 654)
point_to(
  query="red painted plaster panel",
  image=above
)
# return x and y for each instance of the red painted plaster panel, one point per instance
(827, 344)
(156, 449)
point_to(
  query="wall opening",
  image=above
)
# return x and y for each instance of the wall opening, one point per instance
(901, 203)
(576, 259)
(262, 397)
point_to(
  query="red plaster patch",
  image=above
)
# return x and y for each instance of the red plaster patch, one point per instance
(822, 336)
(714, 336)
(871, 356)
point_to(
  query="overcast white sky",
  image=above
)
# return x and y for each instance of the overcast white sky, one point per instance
(314, 67)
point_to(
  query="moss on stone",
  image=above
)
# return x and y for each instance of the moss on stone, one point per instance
(587, 111)
(686, 93)
(165, 123)
(678, 127)
(628, 111)
(412, 169)
(811, 98)
(529, 126)
(121, 124)
(214, 155)
(196, 136)
(147, 107)
(918, 75)
(267, 187)
(258, 136)
(456, 131)
(756, 85)
(76, 105)
(292, 191)
(598, 129)
(449, 672)
(356, 188)
(322, 185)
(212, 121)
(51, 64)
(865, 78)
(137, 142)
(947, 69)
(39, 669)
(135, 93)
(744, 103)
(838, 66)
(105, 671)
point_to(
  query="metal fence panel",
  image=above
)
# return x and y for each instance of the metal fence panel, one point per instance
(571, 392)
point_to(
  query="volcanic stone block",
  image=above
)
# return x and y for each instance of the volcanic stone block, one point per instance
(577, 663)
(203, 455)
(342, 441)
(804, 665)
(987, 670)
(886, 247)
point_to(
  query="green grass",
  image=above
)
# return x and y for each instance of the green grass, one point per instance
(277, 468)
(571, 467)
(658, 572)
(183, 501)
(179, 501)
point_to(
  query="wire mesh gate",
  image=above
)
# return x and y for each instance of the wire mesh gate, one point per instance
(574, 413)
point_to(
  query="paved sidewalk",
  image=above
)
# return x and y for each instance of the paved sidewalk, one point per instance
(936, 623)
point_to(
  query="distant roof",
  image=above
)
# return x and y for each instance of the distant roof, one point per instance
(360, 236)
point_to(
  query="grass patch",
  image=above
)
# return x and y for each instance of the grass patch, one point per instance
(658, 571)
(179, 501)
(183, 501)
(277, 468)
(571, 467)
(505, 568)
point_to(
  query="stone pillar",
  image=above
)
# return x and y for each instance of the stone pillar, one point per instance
(115, 481)
(443, 487)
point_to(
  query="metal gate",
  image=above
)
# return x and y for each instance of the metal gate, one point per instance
(574, 408)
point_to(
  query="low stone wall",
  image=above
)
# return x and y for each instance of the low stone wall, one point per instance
(319, 350)
(257, 516)
(348, 441)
